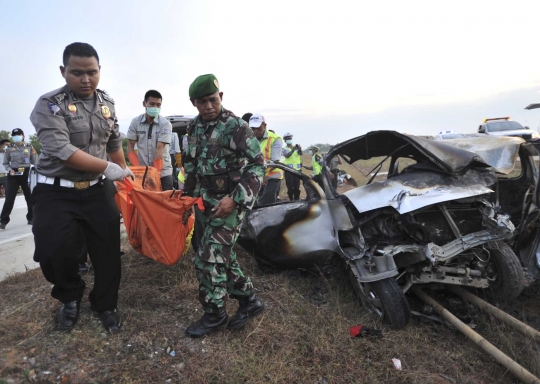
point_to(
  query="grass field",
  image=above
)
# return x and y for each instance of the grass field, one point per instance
(303, 337)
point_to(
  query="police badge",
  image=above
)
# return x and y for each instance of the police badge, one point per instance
(105, 111)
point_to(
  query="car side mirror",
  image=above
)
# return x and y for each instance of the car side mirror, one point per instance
(527, 127)
(481, 129)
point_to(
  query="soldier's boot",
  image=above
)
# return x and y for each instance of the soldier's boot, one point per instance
(250, 306)
(210, 322)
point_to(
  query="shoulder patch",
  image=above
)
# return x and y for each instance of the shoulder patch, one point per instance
(55, 109)
(60, 97)
(106, 96)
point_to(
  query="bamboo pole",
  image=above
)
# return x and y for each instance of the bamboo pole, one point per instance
(520, 372)
(519, 326)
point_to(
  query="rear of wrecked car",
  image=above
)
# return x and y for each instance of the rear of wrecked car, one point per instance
(516, 163)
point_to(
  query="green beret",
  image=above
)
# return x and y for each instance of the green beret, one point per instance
(202, 86)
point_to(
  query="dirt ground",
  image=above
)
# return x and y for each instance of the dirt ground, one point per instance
(303, 337)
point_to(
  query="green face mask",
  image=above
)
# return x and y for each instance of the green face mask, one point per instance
(153, 111)
(310, 152)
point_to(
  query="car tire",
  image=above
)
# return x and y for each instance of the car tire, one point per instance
(384, 299)
(506, 270)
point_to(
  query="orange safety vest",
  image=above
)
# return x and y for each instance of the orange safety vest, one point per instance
(266, 148)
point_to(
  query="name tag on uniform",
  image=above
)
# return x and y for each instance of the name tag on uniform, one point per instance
(214, 141)
(141, 132)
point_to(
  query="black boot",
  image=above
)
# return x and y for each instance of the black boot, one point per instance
(250, 306)
(68, 315)
(210, 322)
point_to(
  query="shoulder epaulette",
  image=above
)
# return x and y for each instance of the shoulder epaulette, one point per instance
(60, 97)
(106, 96)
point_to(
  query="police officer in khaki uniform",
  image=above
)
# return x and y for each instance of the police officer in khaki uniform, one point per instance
(78, 130)
(17, 160)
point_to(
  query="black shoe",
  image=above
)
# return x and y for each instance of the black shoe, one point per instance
(3, 226)
(111, 320)
(210, 322)
(30, 222)
(68, 315)
(250, 306)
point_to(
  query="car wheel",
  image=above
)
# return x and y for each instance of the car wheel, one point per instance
(384, 299)
(503, 271)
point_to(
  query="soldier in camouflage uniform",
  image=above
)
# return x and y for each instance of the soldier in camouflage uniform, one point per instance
(218, 144)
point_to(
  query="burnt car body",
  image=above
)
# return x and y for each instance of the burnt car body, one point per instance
(435, 221)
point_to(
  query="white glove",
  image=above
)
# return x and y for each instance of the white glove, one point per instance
(128, 173)
(113, 172)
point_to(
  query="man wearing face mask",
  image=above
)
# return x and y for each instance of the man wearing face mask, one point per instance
(17, 160)
(293, 159)
(152, 134)
(4, 144)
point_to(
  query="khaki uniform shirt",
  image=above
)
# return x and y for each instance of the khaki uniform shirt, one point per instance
(146, 145)
(64, 126)
(18, 156)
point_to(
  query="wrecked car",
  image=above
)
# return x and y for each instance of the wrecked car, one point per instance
(436, 220)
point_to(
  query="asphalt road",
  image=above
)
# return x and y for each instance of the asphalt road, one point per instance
(16, 241)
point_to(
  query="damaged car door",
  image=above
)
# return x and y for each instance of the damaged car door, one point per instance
(291, 234)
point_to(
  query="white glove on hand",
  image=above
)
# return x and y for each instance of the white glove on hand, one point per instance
(113, 172)
(128, 173)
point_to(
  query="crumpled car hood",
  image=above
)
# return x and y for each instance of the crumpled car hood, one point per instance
(499, 152)
(383, 143)
(414, 190)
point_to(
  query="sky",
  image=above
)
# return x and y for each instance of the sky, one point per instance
(325, 71)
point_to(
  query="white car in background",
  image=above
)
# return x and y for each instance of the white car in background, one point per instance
(449, 135)
(503, 126)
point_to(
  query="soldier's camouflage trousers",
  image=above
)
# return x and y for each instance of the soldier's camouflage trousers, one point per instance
(217, 270)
